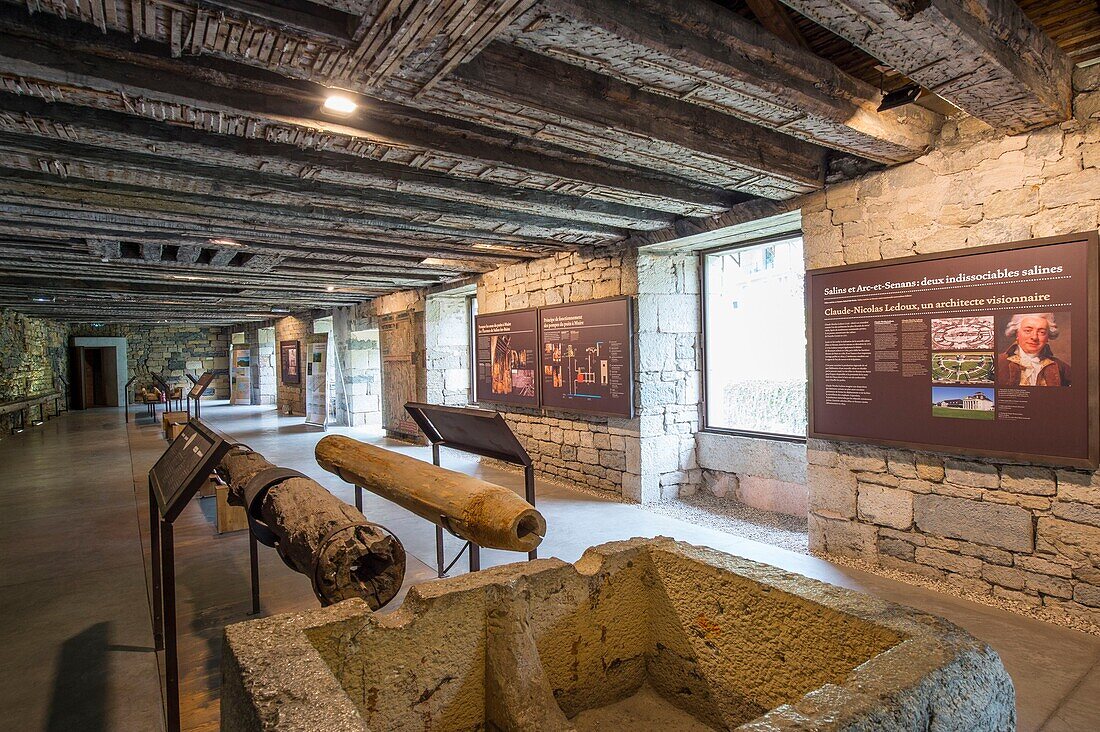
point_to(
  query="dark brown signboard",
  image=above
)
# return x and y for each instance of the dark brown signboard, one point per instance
(507, 358)
(187, 462)
(201, 385)
(989, 351)
(586, 358)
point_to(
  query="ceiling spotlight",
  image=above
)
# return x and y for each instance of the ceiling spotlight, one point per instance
(340, 104)
(280, 309)
(105, 259)
(225, 242)
(900, 97)
(42, 298)
(330, 288)
(192, 278)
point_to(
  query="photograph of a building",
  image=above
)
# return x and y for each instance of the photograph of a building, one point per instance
(963, 403)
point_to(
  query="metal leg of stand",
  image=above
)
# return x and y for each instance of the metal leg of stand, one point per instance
(529, 494)
(359, 498)
(171, 659)
(475, 557)
(154, 561)
(439, 558)
(254, 568)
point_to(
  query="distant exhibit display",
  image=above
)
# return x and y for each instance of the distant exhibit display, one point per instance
(575, 357)
(317, 380)
(988, 351)
(586, 357)
(507, 358)
(242, 376)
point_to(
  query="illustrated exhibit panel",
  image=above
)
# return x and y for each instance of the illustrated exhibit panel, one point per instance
(990, 351)
(586, 357)
(507, 358)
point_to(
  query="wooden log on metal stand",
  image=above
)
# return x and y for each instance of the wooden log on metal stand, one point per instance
(317, 534)
(487, 514)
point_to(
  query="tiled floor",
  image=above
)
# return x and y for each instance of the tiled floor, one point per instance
(75, 645)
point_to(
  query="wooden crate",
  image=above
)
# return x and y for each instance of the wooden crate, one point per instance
(230, 518)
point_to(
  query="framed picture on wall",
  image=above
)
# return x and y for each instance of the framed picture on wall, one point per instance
(290, 362)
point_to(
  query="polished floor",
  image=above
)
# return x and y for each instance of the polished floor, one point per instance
(76, 647)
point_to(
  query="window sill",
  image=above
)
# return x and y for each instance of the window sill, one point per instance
(755, 435)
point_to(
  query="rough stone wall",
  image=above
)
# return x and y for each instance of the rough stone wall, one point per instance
(598, 452)
(667, 375)
(1023, 532)
(172, 351)
(359, 365)
(447, 350)
(766, 474)
(291, 398)
(260, 339)
(33, 353)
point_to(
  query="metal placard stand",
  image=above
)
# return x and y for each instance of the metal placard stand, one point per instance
(479, 432)
(173, 482)
(126, 395)
(195, 395)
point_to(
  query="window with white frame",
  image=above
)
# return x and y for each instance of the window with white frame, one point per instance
(755, 338)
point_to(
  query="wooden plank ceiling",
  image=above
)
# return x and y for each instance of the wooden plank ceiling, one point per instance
(171, 160)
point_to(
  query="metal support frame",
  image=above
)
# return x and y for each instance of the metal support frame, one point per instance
(163, 561)
(254, 571)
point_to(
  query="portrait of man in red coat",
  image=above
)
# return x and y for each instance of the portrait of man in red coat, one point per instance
(1029, 360)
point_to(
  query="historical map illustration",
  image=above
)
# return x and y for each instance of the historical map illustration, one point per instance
(963, 367)
(956, 334)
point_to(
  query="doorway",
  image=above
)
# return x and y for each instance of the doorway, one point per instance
(95, 377)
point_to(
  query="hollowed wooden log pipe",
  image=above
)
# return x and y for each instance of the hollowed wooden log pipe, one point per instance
(317, 534)
(487, 514)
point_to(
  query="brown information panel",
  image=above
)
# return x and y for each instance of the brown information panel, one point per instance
(507, 358)
(989, 351)
(586, 361)
(201, 385)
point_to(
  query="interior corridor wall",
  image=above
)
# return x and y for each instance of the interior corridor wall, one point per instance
(170, 350)
(359, 366)
(990, 527)
(33, 353)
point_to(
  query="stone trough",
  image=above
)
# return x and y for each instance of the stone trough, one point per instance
(638, 635)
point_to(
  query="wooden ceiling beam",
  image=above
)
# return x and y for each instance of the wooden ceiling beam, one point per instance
(191, 212)
(47, 220)
(547, 99)
(133, 137)
(81, 162)
(212, 98)
(702, 53)
(984, 56)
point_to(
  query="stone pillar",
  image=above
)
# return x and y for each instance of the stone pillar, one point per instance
(667, 376)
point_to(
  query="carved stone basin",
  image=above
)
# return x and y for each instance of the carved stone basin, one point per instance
(638, 635)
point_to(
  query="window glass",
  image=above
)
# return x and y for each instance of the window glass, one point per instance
(756, 338)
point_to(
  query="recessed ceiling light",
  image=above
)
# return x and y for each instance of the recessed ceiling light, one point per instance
(278, 309)
(340, 104)
(42, 298)
(225, 242)
(330, 288)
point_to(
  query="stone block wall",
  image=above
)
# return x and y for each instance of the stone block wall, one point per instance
(603, 453)
(172, 351)
(291, 398)
(33, 353)
(359, 365)
(447, 349)
(668, 365)
(1018, 531)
